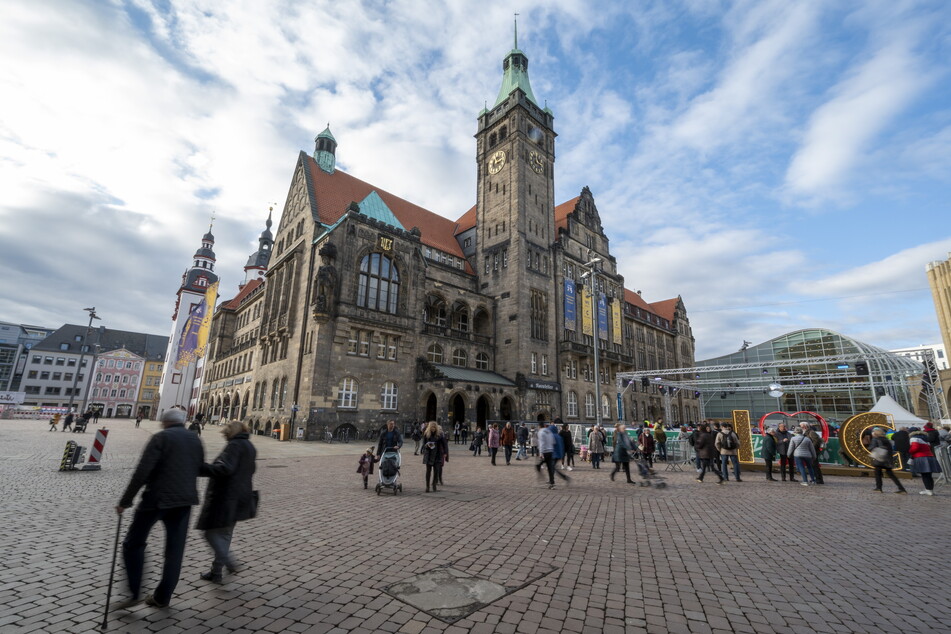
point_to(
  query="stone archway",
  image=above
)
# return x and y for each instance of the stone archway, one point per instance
(431, 408)
(543, 415)
(457, 409)
(483, 407)
(506, 408)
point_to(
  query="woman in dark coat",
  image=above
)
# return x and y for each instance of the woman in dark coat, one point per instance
(435, 454)
(703, 444)
(229, 497)
(623, 449)
(769, 452)
(881, 449)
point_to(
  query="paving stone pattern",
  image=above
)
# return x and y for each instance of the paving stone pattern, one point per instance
(595, 556)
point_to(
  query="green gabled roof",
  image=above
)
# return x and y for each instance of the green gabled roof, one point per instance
(515, 77)
(374, 207)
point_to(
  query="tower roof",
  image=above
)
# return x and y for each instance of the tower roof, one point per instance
(515, 77)
(326, 135)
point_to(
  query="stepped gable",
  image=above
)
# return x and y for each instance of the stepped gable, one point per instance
(247, 289)
(334, 192)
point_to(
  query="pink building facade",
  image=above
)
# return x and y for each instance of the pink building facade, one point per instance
(115, 383)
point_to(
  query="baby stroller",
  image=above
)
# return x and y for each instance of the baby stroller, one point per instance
(389, 471)
(80, 425)
(648, 476)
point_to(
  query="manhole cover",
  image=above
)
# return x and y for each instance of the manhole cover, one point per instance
(458, 589)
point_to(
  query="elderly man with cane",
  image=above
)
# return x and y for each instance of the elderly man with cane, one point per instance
(168, 469)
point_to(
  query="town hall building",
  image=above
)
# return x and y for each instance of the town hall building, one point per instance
(373, 308)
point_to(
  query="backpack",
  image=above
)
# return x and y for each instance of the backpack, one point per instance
(728, 441)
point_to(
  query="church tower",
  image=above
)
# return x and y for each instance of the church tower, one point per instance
(515, 155)
(258, 261)
(178, 383)
(325, 150)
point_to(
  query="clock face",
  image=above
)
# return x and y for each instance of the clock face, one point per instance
(496, 161)
(536, 162)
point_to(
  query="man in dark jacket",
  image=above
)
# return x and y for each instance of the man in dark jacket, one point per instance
(769, 452)
(902, 443)
(168, 469)
(817, 443)
(389, 437)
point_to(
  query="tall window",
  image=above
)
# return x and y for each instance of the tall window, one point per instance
(347, 394)
(388, 396)
(534, 363)
(589, 405)
(482, 361)
(434, 354)
(605, 407)
(379, 283)
(539, 315)
(572, 405)
(545, 364)
(275, 387)
(460, 358)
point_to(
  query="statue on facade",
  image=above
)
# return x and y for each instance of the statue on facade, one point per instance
(326, 284)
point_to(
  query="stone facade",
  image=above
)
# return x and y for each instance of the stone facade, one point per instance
(375, 309)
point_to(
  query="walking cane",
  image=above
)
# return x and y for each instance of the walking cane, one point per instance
(112, 574)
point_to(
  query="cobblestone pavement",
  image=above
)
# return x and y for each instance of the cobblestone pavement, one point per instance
(593, 557)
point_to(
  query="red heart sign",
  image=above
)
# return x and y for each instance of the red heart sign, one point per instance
(822, 423)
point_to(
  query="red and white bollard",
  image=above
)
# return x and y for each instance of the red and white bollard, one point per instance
(95, 452)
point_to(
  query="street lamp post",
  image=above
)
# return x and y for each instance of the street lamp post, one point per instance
(82, 354)
(592, 272)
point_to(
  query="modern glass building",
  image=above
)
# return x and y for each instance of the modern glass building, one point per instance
(834, 388)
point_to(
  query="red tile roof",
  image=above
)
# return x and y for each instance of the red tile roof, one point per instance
(636, 300)
(562, 211)
(666, 308)
(247, 289)
(335, 191)
(467, 221)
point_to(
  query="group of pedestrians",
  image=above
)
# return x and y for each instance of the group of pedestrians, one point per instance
(167, 474)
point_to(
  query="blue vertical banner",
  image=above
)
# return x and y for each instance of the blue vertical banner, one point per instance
(570, 305)
(602, 316)
(620, 407)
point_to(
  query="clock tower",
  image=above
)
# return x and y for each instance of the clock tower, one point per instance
(515, 224)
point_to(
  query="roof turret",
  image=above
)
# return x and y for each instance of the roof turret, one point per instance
(515, 74)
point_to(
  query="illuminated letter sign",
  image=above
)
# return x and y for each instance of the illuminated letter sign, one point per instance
(852, 431)
(741, 425)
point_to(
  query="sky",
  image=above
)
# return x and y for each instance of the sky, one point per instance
(779, 165)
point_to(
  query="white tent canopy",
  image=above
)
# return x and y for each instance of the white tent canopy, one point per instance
(901, 416)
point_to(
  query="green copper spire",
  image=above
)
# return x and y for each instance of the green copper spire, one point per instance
(326, 134)
(515, 73)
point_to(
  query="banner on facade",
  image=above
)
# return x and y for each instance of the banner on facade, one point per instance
(616, 321)
(12, 398)
(602, 316)
(194, 336)
(570, 305)
(620, 407)
(587, 320)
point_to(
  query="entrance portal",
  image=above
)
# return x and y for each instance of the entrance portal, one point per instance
(457, 407)
(482, 411)
(431, 407)
(505, 409)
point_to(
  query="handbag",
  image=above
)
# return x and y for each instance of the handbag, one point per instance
(881, 456)
(255, 499)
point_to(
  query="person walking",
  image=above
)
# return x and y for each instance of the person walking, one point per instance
(365, 466)
(168, 469)
(786, 462)
(596, 439)
(521, 435)
(816, 439)
(548, 448)
(477, 442)
(622, 452)
(195, 427)
(881, 449)
(645, 444)
(229, 498)
(435, 454)
(660, 440)
(507, 440)
(533, 441)
(770, 445)
(417, 436)
(68, 421)
(902, 443)
(703, 444)
(727, 443)
(568, 459)
(493, 441)
(923, 461)
(389, 437)
(803, 451)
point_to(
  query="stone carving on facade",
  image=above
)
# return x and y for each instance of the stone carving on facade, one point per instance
(326, 284)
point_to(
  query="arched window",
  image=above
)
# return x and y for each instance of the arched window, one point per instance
(482, 361)
(572, 405)
(347, 394)
(379, 283)
(460, 358)
(605, 407)
(275, 387)
(435, 311)
(589, 405)
(388, 396)
(434, 354)
(460, 317)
